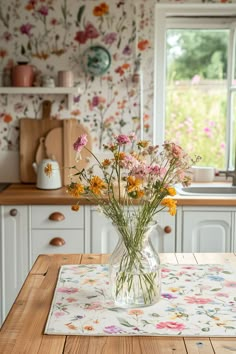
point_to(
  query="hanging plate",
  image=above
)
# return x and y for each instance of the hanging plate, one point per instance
(96, 60)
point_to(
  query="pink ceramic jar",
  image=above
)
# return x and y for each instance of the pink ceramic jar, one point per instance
(23, 75)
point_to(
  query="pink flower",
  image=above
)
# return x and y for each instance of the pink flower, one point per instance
(177, 151)
(230, 284)
(197, 300)
(58, 314)
(67, 290)
(80, 142)
(122, 139)
(170, 325)
(110, 38)
(91, 31)
(80, 37)
(71, 299)
(26, 28)
(43, 10)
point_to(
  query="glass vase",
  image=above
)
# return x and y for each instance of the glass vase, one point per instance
(134, 267)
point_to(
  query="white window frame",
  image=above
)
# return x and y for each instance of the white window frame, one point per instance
(162, 14)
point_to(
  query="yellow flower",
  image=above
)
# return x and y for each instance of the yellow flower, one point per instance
(143, 143)
(48, 170)
(171, 191)
(171, 204)
(75, 189)
(96, 185)
(133, 184)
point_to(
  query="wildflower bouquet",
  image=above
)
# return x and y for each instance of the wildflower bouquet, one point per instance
(131, 188)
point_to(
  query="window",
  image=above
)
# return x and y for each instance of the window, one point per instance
(195, 80)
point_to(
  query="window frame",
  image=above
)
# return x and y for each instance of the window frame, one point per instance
(163, 13)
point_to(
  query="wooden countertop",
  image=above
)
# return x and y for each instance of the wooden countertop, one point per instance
(22, 331)
(28, 194)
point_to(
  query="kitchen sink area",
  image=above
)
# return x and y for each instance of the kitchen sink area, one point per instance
(201, 189)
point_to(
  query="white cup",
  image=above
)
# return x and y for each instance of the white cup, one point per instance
(203, 173)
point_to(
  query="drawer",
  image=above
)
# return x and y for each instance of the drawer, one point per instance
(56, 217)
(40, 242)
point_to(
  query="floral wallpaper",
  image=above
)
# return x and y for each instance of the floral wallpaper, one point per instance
(52, 35)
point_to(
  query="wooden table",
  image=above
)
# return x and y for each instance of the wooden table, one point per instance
(22, 332)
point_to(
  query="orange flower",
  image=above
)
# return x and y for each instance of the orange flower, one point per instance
(76, 112)
(135, 312)
(106, 163)
(75, 189)
(96, 185)
(101, 9)
(133, 184)
(171, 191)
(71, 326)
(125, 66)
(171, 204)
(48, 170)
(143, 44)
(3, 53)
(7, 118)
(88, 328)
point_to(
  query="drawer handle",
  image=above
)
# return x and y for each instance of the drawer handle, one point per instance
(13, 212)
(167, 229)
(56, 216)
(57, 241)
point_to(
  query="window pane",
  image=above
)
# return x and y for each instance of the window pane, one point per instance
(197, 93)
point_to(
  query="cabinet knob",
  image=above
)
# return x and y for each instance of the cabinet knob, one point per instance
(167, 229)
(13, 212)
(57, 241)
(56, 216)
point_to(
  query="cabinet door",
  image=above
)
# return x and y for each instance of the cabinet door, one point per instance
(207, 231)
(14, 253)
(104, 237)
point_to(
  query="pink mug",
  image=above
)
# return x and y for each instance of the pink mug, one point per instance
(65, 78)
(23, 75)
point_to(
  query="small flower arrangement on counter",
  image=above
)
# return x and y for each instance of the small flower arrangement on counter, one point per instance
(133, 186)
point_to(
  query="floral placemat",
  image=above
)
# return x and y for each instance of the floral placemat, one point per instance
(196, 300)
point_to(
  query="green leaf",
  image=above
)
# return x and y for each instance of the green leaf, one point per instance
(22, 50)
(125, 323)
(216, 289)
(79, 14)
(207, 329)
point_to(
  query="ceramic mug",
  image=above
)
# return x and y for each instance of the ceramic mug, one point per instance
(65, 78)
(203, 173)
(23, 75)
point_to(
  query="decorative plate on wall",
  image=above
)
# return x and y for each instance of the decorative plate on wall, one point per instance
(96, 60)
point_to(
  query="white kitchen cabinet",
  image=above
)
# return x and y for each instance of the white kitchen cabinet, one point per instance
(103, 237)
(14, 240)
(56, 229)
(207, 229)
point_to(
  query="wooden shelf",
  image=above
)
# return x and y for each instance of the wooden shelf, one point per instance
(69, 91)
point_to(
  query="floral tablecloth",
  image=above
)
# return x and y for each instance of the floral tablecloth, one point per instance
(196, 300)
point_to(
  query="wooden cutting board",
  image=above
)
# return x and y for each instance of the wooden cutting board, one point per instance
(63, 151)
(31, 130)
(71, 131)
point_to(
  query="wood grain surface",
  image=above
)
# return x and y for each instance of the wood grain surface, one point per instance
(23, 329)
(31, 130)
